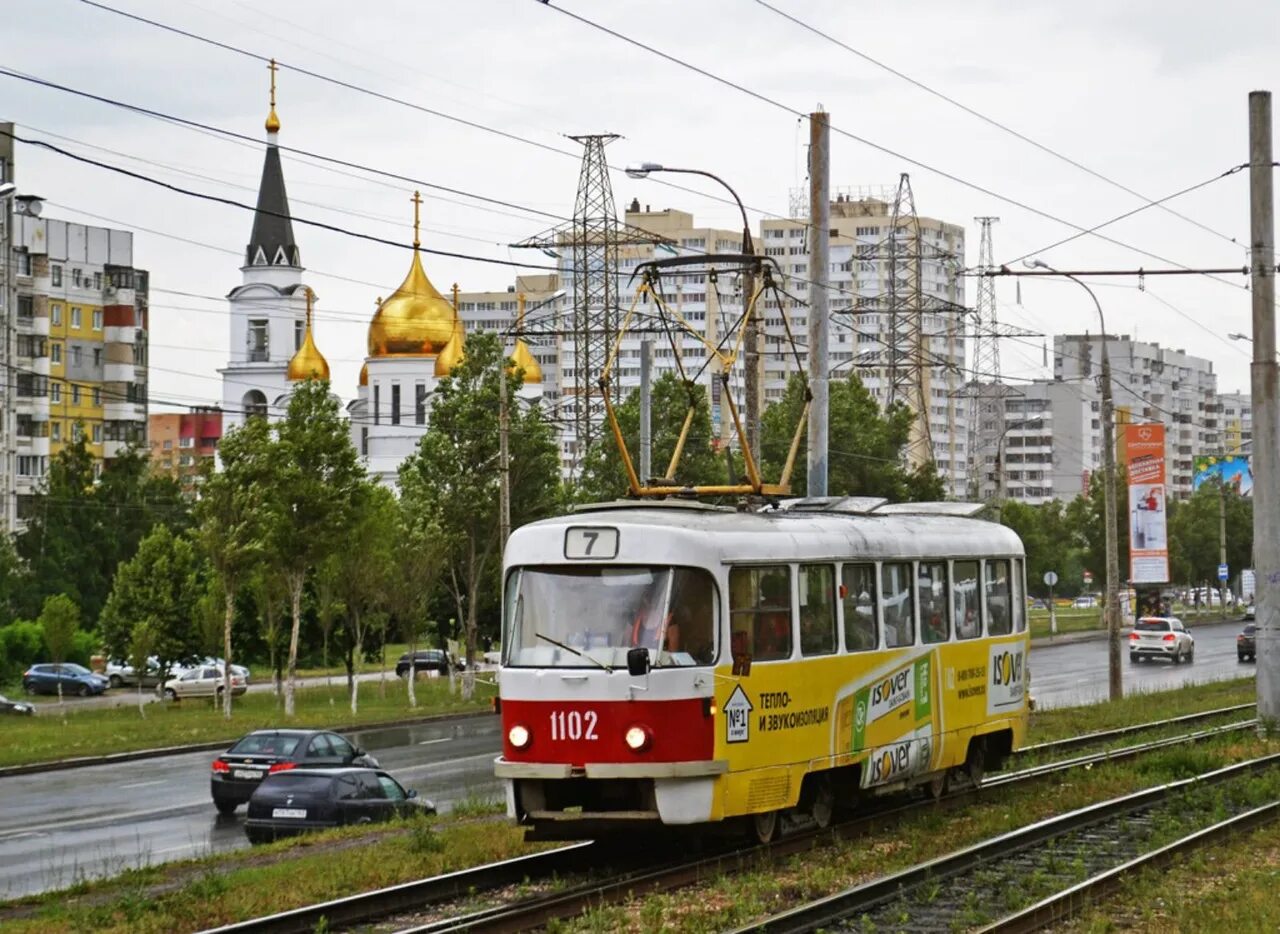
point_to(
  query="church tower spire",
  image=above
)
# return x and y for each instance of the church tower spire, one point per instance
(272, 243)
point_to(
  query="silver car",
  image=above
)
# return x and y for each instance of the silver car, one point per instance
(199, 682)
(1161, 637)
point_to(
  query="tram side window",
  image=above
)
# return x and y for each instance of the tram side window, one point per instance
(935, 614)
(858, 588)
(1019, 603)
(999, 622)
(965, 599)
(817, 609)
(693, 616)
(760, 612)
(897, 605)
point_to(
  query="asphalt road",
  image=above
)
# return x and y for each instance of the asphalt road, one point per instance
(59, 827)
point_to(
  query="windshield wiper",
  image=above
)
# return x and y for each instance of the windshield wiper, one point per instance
(569, 648)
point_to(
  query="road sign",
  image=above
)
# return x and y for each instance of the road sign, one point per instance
(1222, 572)
(1050, 578)
(1088, 577)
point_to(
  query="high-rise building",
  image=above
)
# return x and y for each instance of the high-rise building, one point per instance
(80, 344)
(1150, 383)
(182, 442)
(1236, 422)
(1037, 441)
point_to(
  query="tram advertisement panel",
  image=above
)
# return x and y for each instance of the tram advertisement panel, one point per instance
(895, 716)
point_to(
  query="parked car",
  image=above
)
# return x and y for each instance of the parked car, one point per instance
(425, 660)
(1161, 637)
(218, 663)
(1039, 605)
(297, 800)
(1250, 611)
(16, 707)
(238, 771)
(1085, 602)
(199, 682)
(76, 679)
(1246, 643)
(121, 674)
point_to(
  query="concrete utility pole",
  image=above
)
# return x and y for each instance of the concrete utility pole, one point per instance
(819, 314)
(1266, 429)
(753, 355)
(646, 409)
(504, 454)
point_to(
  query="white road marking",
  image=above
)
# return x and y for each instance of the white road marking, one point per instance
(158, 781)
(429, 742)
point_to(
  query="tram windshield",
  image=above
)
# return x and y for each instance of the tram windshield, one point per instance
(590, 617)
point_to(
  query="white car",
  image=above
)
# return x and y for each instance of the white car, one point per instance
(1161, 637)
(121, 673)
(203, 681)
(218, 663)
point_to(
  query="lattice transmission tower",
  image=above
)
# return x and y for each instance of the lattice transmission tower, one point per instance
(590, 242)
(984, 390)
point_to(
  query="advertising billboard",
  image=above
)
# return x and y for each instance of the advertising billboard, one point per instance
(1231, 470)
(1148, 538)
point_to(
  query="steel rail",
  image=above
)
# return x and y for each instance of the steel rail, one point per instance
(832, 910)
(1075, 899)
(1102, 736)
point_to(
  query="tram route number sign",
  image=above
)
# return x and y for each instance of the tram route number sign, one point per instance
(590, 543)
(737, 716)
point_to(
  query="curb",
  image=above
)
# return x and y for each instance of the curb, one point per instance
(1099, 635)
(60, 765)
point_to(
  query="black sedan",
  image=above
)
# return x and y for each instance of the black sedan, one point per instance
(15, 707)
(239, 770)
(424, 660)
(1246, 643)
(297, 800)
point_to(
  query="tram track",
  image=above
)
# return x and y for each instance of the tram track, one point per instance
(415, 902)
(1077, 857)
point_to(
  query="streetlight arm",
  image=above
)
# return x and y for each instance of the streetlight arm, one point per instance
(747, 246)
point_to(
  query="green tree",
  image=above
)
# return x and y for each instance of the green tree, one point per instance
(81, 529)
(451, 482)
(1084, 517)
(60, 621)
(603, 475)
(316, 477)
(162, 585)
(866, 445)
(232, 515)
(1194, 534)
(142, 644)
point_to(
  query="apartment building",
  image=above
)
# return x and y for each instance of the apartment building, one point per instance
(1037, 441)
(182, 442)
(80, 343)
(1236, 421)
(1150, 383)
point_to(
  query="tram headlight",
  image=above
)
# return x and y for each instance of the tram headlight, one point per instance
(638, 738)
(519, 736)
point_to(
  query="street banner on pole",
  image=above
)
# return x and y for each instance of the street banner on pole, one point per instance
(1148, 539)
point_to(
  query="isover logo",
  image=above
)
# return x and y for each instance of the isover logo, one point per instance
(890, 693)
(890, 762)
(1006, 669)
(1006, 684)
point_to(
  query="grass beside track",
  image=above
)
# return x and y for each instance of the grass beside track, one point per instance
(122, 729)
(235, 886)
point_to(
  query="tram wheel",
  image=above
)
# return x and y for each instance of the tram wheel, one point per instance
(763, 827)
(824, 804)
(975, 763)
(938, 785)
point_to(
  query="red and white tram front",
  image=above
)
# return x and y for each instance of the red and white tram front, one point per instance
(610, 636)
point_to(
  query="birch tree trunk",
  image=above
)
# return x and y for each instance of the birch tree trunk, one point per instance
(230, 611)
(295, 607)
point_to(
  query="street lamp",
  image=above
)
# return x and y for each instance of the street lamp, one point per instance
(751, 339)
(1037, 422)
(1111, 609)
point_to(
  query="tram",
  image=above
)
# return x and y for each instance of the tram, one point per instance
(675, 663)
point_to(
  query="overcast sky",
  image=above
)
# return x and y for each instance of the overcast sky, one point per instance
(1151, 94)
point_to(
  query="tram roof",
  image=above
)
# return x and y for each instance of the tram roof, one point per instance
(797, 529)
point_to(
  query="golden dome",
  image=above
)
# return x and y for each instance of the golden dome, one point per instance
(453, 351)
(308, 362)
(364, 375)
(273, 122)
(416, 319)
(522, 359)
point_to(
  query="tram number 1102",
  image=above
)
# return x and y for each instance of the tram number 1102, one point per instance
(574, 725)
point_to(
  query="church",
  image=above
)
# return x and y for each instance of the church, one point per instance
(415, 337)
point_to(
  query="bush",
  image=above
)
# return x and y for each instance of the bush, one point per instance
(21, 644)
